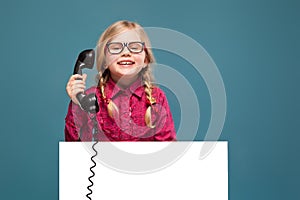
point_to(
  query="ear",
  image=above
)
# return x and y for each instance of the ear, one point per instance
(146, 61)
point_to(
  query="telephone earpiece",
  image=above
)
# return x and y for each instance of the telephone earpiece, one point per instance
(86, 60)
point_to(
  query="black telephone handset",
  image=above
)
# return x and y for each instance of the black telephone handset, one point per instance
(86, 60)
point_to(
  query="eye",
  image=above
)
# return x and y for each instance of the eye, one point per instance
(135, 46)
(115, 47)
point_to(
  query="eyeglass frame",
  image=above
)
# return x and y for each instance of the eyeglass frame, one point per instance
(125, 44)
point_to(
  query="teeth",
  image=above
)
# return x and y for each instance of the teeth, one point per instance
(125, 63)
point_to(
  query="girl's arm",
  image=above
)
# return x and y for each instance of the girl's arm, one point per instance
(75, 116)
(165, 124)
(73, 122)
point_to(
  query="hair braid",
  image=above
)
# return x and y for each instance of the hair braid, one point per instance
(150, 99)
(111, 106)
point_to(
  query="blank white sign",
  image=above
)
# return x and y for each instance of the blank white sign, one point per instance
(143, 170)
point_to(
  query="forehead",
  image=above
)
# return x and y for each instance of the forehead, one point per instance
(127, 36)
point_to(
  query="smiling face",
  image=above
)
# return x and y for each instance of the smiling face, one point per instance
(125, 66)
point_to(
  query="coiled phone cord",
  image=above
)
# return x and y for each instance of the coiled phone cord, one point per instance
(95, 131)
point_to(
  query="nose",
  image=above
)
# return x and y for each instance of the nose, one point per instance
(126, 51)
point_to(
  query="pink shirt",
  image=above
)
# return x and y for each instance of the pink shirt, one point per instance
(130, 124)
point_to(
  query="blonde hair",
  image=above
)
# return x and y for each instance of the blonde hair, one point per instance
(146, 73)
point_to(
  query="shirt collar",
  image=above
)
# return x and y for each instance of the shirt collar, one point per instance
(136, 88)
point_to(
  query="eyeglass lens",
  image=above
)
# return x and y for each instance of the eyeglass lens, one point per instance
(133, 47)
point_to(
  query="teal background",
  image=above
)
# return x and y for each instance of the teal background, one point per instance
(255, 45)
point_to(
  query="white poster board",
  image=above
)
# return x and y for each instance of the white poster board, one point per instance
(143, 170)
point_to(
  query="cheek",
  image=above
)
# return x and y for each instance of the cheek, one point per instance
(109, 59)
(141, 59)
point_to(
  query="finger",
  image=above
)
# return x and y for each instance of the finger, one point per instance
(78, 83)
(70, 85)
(84, 76)
(76, 91)
(76, 77)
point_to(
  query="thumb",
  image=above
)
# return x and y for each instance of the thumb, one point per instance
(84, 76)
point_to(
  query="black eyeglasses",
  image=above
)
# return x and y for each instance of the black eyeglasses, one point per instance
(118, 47)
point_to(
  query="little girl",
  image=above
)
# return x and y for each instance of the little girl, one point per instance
(131, 108)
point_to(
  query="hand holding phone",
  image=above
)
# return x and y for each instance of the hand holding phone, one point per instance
(86, 102)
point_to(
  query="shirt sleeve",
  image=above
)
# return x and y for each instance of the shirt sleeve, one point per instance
(73, 122)
(165, 129)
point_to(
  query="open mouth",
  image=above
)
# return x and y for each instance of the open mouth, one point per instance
(125, 63)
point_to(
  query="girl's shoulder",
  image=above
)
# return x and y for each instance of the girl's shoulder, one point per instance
(157, 89)
(158, 92)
